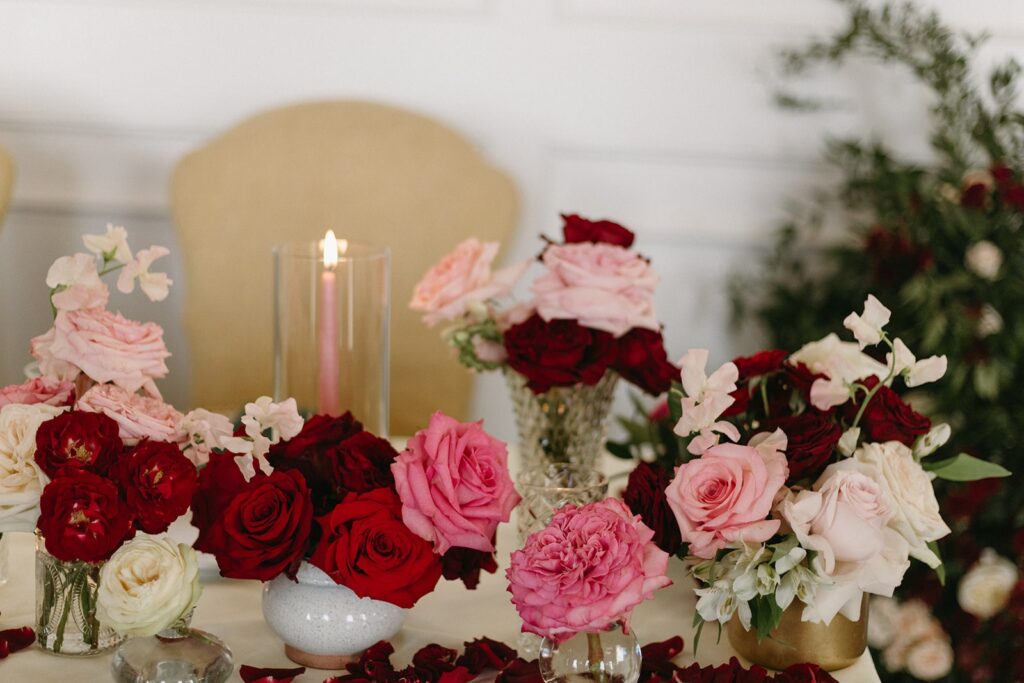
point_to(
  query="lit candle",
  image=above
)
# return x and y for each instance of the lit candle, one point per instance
(327, 393)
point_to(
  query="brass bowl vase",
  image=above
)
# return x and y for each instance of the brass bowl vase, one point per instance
(833, 646)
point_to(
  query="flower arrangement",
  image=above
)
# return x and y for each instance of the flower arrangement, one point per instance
(804, 477)
(591, 310)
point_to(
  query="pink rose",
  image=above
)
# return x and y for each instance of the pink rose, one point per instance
(461, 279)
(454, 485)
(725, 497)
(105, 346)
(48, 390)
(601, 286)
(138, 417)
(586, 570)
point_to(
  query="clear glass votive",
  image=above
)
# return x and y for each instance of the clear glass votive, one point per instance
(548, 487)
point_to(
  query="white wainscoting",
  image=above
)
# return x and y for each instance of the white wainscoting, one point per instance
(657, 113)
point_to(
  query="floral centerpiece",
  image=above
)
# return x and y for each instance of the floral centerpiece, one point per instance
(589, 320)
(805, 482)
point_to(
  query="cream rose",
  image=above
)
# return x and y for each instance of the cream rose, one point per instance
(147, 585)
(930, 659)
(21, 481)
(916, 511)
(985, 588)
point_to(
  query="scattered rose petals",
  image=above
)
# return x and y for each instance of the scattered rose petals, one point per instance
(15, 639)
(252, 674)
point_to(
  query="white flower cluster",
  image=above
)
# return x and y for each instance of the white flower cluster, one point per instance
(910, 638)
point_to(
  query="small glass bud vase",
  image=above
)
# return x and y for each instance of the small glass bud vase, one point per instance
(178, 654)
(610, 656)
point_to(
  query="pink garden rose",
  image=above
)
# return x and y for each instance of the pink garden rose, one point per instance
(138, 417)
(601, 286)
(725, 497)
(586, 570)
(454, 485)
(106, 346)
(461, 279)
(48, 390)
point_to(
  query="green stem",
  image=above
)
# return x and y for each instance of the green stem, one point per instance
(595, 653)
(72, 580)
(871, 394)
(112, 269)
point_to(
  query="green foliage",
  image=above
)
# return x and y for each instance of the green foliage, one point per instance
(964, 467)
(765, 615)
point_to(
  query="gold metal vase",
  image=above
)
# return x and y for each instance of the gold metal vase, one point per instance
(836, 645)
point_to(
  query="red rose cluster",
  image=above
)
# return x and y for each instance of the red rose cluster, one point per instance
(101, 493)
(562, 352)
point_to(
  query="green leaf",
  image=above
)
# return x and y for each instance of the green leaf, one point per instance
(965, 468)
(699, 624)
(765, 615)
(619, 450)
(940, 571)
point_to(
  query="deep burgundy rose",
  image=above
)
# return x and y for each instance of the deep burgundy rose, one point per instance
(887, 417)
(645, 496)
(219, 482)
(366, 547)
(642, 361)
(465, 564)
(484, 653)
(82, 517)
(318, 434)
(265, 528)
(558, 353)
(158, 483)
(964, 501)
(894, 257)
(759, 364)
(800, 378)
(1013, 195)
(974, 196)
(79, 440)
(520, 671)
(812, 439)
(578, 229)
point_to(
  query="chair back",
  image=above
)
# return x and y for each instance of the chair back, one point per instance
(6, 182)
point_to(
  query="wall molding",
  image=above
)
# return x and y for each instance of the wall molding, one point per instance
(411, 8)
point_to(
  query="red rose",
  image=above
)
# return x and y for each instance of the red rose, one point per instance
(465, 564)
(812, 439)
(800, 378)
(158, 483)
(219, 482)
(558, 353)
(645, 496)
(578, 229)
(319, 433)
(642, 361)
(759, 364)
(366, 547)
(887, 417)
(77, 439)
(82, 517)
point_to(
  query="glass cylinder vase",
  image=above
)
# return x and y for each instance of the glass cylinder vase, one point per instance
(562, 424)
(610, 656)
(66, 622)
(331, 327)
(178, 653)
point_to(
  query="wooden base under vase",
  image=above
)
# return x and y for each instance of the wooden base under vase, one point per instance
(314, 661)
(834, 646)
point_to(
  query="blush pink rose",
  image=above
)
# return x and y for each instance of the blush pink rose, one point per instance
(138, 417)
(725, 497)
(588, 569)
(106, 346)
(601, 286)
(461, 279)
(46, 390)
(454, 485)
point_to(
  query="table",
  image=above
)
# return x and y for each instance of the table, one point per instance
(451, 615)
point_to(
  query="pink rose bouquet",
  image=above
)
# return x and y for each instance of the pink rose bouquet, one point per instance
(586, 571)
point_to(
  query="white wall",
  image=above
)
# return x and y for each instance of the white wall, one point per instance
(656, 113)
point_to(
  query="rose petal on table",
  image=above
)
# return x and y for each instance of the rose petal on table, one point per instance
(459, 674)
(804, 673)
(520, 671)
(14, 639)
(656, 660)
(485, 653)
(252, 674)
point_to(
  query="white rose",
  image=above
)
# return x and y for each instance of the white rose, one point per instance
(147, 585)
(21, 480)
(909, 488)
(930, 659)
(985, 588)
(984, 259)
(989, 321)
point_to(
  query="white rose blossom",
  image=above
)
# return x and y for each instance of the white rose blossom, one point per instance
(985, 589)
(705, 401)
(867, 327)
(984, 259)
(21, 480)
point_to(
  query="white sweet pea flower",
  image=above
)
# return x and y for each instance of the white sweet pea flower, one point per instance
(282, 419)
(901, 359)
(79, 281)
(697, 384)
(110, 246)
(935, 439)
(769, 443)
(706, 399)
(829, 393)
(204, 431)
(848, 441)
(924, 371)
(154, 285)
(867, 327)
(842, 364)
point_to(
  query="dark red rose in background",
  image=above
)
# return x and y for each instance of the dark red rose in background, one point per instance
(894, 257)
(812, 439)
(158, 483)
(484, 653)
(77, 439)
(974, 195)
(558, 353)
(964, 501)
(219, 482)
(759, 364)
(264, 529)
(82, 517)
(578, 229)
(887, 417)
(642, 361)
(645, 496)
(465, 564)
(366, 547)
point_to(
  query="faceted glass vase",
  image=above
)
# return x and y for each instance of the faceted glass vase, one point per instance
(177, 654)
(563, 424)
(66, 622)
(610, 656)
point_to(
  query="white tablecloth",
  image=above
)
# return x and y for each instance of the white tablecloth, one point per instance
(449, 616)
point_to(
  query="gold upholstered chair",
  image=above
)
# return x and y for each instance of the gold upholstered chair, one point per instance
(6, 182)
(370, 172)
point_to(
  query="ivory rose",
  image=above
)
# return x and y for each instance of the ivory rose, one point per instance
(105, 346)
(21, 480)
(138, 417)
(725, 496)
(985, 589)
(462, 279)
(601, 286)
(147, 585)
(454, 485)
(589, 568)
(48, 390)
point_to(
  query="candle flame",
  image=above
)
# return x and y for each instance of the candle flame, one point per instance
(330, 250)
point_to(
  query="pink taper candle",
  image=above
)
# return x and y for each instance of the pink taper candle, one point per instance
(327, 394)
